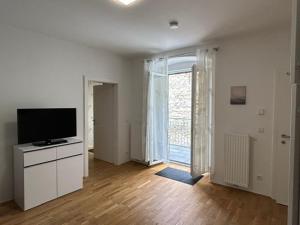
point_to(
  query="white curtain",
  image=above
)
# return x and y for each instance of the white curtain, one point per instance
(202, 112)
(155, 126)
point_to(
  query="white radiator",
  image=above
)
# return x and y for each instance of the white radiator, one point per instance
(237, 156)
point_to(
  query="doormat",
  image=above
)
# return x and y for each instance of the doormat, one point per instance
(178, 175)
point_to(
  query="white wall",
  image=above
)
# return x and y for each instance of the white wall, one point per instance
(250, 60)
(39, 71)
(137, 109)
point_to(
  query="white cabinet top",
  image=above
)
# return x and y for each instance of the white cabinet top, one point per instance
(30, 147)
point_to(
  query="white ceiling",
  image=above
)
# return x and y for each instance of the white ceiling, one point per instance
(143, 27)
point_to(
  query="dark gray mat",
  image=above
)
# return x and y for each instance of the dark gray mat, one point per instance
(178, 175)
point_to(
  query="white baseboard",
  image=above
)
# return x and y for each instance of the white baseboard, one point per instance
(214, 181)
(5, 201)
(140, 162)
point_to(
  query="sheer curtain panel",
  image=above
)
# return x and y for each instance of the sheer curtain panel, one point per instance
(156, 111)
(202, 112)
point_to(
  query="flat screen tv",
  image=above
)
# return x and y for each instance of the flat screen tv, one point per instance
(46, 126)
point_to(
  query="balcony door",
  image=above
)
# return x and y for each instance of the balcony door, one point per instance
(180, 111)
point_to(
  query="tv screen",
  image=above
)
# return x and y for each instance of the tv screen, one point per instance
(37, 125)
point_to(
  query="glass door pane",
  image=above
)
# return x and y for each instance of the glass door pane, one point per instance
(180, 100)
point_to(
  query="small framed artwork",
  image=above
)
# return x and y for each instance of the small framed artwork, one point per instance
(238, 95)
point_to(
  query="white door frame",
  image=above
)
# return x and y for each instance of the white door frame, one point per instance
(86, 80)
(293, 207)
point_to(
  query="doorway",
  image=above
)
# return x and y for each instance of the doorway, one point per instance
(180, 111)
(180, 78)
(197, 106)
(100, 122)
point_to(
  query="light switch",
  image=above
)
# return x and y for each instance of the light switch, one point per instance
(261, 112)
(261, 130)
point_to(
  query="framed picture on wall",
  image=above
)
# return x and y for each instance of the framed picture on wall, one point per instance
(238, 95)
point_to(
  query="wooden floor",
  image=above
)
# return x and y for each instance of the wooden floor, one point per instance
(132, 194)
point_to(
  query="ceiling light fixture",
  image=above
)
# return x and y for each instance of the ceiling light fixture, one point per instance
(174, 25)
(126, 2)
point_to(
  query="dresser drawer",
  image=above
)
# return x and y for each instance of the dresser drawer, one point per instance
(69, 150)
(40, 156)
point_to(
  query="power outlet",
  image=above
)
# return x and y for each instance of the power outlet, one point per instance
(261, 130)
(259, 177)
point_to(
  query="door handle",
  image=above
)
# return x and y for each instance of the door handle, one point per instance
(285, 136)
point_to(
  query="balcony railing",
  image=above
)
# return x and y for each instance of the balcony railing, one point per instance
(180, 132)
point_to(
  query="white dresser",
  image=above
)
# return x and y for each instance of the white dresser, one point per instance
(45, 173)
